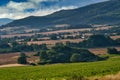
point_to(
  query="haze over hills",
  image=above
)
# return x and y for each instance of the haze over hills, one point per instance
(4, 21)
(101, 13)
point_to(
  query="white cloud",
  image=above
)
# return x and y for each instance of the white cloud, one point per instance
(20, 6)
(18, 15)
(15, 10)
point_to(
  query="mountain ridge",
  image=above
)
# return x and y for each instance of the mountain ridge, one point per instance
(100, 13)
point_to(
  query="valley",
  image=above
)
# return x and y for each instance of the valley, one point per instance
(76, 43)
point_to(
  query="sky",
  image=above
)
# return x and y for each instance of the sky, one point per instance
(16, 9)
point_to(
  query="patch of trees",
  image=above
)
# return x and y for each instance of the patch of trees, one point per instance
(64, 54)
(27, 48)
(21, 47)
(95, 41)
(4, 45)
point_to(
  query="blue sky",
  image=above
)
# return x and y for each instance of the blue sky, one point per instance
(3, 2)
(16, 9)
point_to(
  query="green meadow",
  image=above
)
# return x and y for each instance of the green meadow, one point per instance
(62, 71)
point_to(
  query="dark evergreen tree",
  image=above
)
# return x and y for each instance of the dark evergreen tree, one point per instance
(22, 59)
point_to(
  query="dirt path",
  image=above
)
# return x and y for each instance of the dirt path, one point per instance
(11, 65)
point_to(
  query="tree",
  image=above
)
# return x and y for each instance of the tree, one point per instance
(43, 57)
(112, 51)
(22, 59)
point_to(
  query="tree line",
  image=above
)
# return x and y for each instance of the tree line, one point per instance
(20, 47)
(96, 41)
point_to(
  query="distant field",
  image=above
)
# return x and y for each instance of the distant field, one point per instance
(52, 42)
(45, 33)
(62, 71)
(56, 32)
(115, 37)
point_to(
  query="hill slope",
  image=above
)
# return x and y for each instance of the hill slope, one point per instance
(4, 21)
(101, 13)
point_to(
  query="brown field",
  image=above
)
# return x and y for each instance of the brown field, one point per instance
(56, 32)
(11, 58)
(8, 58)
(45, 33)
(100, 51)
(52, 42)
(69, 30)
(115, 37)
(103, 27)
(13, 35)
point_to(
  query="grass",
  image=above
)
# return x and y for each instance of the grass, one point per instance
(62, 71)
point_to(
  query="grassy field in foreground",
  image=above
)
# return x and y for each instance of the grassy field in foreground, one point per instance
(62, 71)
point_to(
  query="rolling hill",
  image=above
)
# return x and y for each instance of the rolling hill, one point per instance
(100, 13)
